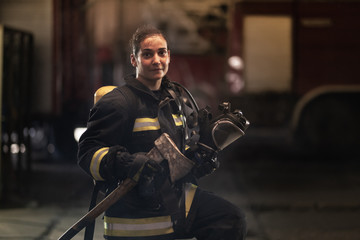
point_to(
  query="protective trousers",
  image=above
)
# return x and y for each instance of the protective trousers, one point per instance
(212, 218)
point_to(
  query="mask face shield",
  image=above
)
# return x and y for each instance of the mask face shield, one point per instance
(225, 132)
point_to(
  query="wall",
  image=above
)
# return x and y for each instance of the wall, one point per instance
(34, 16)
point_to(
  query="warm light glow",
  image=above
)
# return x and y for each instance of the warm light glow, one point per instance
(22, 148)
(14, 148)
(236, 62)
(236, 83)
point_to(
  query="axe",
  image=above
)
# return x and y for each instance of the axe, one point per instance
(164, 148)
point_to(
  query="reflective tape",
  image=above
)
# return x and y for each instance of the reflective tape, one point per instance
(190, 190)
(177, 119)
(140, 227)
(146, 124)
(95, 163)
(151, 124)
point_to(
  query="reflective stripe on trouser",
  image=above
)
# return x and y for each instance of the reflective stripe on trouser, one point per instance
(146, 227)
(190, 190)
(140, 227)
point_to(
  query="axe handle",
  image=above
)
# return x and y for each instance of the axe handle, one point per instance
(162, 144)
(101, 207)
(109, 200)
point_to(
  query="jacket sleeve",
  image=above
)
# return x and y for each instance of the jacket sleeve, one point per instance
(107, 129)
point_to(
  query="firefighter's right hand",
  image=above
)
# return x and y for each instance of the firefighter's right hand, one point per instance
(134, 166)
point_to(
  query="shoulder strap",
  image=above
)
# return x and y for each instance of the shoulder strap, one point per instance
(89, 230)
(188, 110)
(182, 113)
(193, 102)
(129, 94)
(132, 104)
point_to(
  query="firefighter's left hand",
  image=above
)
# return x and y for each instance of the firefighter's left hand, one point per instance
(206, 161)
(151, 178)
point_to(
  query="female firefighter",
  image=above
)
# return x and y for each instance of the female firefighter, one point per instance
(122, 128)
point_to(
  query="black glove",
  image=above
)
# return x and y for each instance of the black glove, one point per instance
(134, 165)
(206, 161)
(141, 169)
(128, 165)
(150, 178)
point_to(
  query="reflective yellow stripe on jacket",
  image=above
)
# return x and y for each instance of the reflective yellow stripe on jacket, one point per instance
(177, 119)
(151, 124)
(95, 163)
(140, 227)
(146, 124)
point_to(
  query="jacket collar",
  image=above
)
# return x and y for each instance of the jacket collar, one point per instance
(134, 83)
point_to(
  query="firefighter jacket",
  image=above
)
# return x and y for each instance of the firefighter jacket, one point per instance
(119, 124)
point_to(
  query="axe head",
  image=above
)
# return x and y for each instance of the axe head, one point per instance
(165, 148)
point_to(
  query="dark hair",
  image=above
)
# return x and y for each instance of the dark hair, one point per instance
(141, 34)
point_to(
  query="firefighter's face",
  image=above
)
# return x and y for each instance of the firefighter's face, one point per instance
(152, 61)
